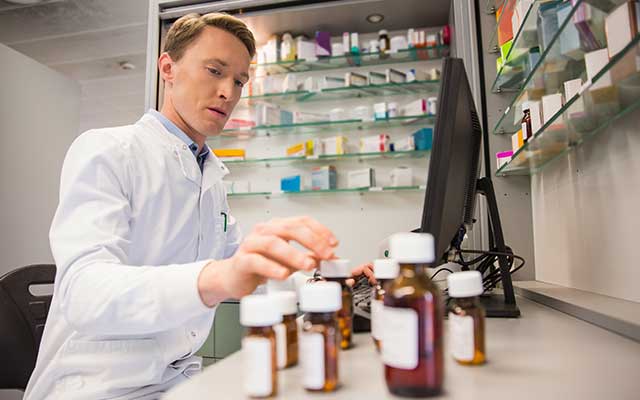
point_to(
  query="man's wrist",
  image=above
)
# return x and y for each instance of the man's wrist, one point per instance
(210, 286)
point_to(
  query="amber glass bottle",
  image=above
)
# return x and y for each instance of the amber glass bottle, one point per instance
(319, 337)
(466, 318)
(259, 313)
(287, 330)
(385, 270)
(526, 122)
(338, 271)
(413, 316)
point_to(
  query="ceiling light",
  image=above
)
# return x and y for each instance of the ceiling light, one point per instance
(375, 18)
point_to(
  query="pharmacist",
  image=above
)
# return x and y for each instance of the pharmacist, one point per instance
(143, 238)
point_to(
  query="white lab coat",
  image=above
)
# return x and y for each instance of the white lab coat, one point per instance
(135, 225)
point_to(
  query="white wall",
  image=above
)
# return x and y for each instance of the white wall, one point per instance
(586, 215)
(39, 111)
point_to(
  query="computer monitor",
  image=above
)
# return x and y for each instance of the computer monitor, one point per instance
(453, 167)
(453, 184)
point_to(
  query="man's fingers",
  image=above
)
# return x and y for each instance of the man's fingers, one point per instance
(290, 230)
(278, 250)
(321, 229)
(262, 266)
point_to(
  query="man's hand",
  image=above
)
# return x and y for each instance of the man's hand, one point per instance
(267, 254)
(364, 269)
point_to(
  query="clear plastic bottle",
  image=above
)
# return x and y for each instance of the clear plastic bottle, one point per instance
(258, 314)
(287, 330)
(385, 270)
(466, 318)
(413, 312)
(319, 337)
(339, 271)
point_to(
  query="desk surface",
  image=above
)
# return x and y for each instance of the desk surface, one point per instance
(545, 354)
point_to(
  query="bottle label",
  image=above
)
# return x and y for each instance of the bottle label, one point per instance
(376, 317)
(256, 353)
(400, 333)
(525, 131)
(312, 360)
(281, 344)
(462, 337)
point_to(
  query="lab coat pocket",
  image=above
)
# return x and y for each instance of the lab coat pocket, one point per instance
(123, 363)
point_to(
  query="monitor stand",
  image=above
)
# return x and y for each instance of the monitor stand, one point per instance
(497, 305)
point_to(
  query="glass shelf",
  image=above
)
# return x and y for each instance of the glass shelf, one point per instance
(387, 189)
(351, 156)
(326, 126)
(354, 60)
(585, 115)
(344, 93)
(493, 42)
(546, 77)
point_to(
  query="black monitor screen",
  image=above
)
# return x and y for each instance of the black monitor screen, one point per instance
(453, 167)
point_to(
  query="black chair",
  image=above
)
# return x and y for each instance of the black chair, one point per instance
(22, 318)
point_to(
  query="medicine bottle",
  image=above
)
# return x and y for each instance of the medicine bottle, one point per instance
(258, 314)
(384, 41)
(319, 336)
(338, 271)
(286, 331)
(466, 318)
(384, 270)
(526, 122)
(413, 316)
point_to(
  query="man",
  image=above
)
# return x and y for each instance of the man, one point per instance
(143, 238)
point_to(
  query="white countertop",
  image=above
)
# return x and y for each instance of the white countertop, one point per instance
(543, 355)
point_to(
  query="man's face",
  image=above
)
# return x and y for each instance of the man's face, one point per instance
(206, 83)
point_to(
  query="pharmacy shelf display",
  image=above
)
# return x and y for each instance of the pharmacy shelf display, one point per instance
(353, 60)
(502, 10)
(361, 191)
(326, 127)
(345, 93)
(611, 94)
(335, 157)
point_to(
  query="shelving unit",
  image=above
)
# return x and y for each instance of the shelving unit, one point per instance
(327, 126)
(343, 93)
(497, 5)
(387, 189)
(350, 156)
(353, 60)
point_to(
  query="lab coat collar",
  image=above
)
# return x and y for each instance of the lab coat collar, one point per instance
(214, 170)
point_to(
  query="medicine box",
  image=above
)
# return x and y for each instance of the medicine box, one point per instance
(572, 88)
(401, 176)
(570, 44)
(324, 178)
(306, 49)
(377, 78)
(323, 44)
(229, 154)
(395, 76)
(380, 111)
(621, 27)
(291, 183)
(594, 62)
(423, 139)
(361, 178)
(502, 158)
(297, 150)
(416, 107)
(551, 104)
(505, 32)
(517, 141)
(403, 144)
(535, 109)
(336, 145)
(355, 79)
(374, 144)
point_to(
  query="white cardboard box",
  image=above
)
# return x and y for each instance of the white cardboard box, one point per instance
(571, 88)
(536, 116)
(361, 178)
(594, 62)
(401, 176)
(551, 104)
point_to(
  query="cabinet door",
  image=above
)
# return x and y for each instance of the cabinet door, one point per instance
(227, 329)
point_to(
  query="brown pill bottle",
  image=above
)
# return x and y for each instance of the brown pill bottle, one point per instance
(466, 318)
(412, 351)
(258, 313)
(385, 270)
(318, 340)
(339, 271)
(287, 330)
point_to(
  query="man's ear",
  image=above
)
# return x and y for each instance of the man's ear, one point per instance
(165, 68)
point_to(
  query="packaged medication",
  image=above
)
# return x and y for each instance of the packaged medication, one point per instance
(395, 76)
(229, 154)
(319, 336)
(361, 178)
(373, 46)
(398, 43)
(414, 363)
(287, 48)
(392, 109)
(374, 144)
(346, 43)
(517, 141)
(416, 107)
(377, 78)
(291, 183)
(551, 104)
(380, 110)
(332, 82)
(385, 270)
(338, 271)
(432, 105)
(401, 176)
(423, 139)
(337, 49)
(355, 79)
(324, 178)
(297, 150)
(502, 158)
(259, 314)
(306, 49)
(323, 44)
(355, 44)
(287, 331)
(621, 26)
(334, 146)
(290, 83)
(404, 144)
(466, 318)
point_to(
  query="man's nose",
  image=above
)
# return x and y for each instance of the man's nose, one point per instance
(225, 90)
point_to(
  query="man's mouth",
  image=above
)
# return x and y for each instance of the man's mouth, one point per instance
(217, 111)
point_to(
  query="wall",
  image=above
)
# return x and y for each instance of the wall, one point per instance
(585, 213)
(38, 121)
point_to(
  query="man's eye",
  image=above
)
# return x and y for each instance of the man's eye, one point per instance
(214, 71)
(239, 84)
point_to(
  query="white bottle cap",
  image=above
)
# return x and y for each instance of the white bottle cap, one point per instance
(385, 268)
(465, 284)
(321, 297)
(259, 310)
(286, 302)
(335, 268)
(412, 248)
(383, 32)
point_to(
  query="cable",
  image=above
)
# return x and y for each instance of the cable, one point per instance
(440, 270)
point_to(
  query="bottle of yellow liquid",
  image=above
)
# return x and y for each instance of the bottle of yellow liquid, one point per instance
(466, 318)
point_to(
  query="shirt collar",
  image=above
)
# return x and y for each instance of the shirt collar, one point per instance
(179, 133)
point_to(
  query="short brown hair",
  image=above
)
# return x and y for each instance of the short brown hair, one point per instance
(187, 28)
